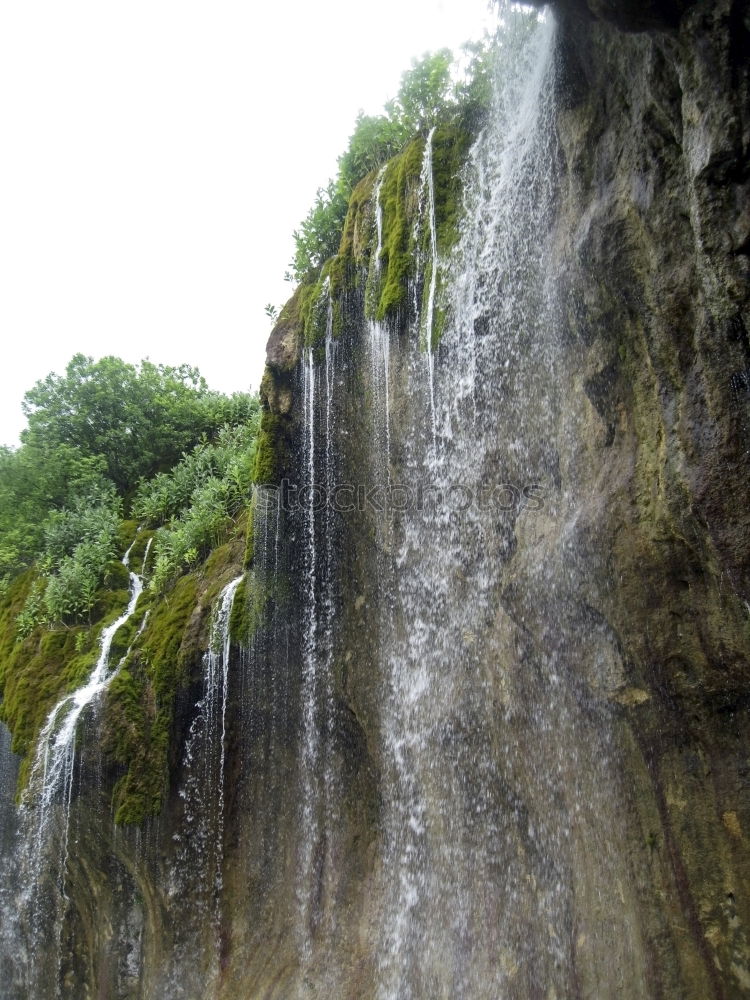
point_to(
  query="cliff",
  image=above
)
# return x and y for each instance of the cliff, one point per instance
(481, 728)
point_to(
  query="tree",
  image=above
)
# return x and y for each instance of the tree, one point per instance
(424, 94)
(319, 235)
(35, 480)
(375, 139)
(473, 91)
(138, 418)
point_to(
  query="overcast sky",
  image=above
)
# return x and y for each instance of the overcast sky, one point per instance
(156, 157)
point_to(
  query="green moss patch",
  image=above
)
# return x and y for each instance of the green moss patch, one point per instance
(126, 536)
(274, 449)
(356, 242)
(136, 735)
(139, 705)
(399, 197)
(38, 671)
(450, 147)
(248, 610)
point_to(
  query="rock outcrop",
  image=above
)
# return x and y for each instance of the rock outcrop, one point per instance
(475, 751)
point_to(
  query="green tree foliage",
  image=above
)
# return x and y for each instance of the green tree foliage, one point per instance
(199, 500)
(473, 89)
(79, 544)
(92, 434)
(35, 480)
(319, 234)
(138, 418)
(427, 94)
(375, 139)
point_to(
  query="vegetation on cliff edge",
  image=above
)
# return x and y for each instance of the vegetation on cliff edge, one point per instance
(179, 459)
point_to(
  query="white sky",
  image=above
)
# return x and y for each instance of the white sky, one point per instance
(155, 157)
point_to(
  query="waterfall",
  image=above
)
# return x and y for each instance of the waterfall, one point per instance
(379, 217)
(318, 775)
(457, 898)
(379, 347)
(405, 775)
(10, 876)
(200, 855)
(145, 557)
(310, 750)
(53, 764)
(51, 785)
(428, 183)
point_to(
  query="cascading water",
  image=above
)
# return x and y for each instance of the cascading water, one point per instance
(415, 788)
(200, 853)
(428, 184)
(53, 766)
(10, 887)
(310, 750)
(318, 768)
(487, 781)
(144, 564)
(457, 828)
(50, 790)
(379, 346)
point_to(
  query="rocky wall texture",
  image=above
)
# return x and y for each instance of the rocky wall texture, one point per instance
(653, 236)
(562, 808)
(651, 275)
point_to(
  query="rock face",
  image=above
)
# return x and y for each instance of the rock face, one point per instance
(653, 221)
(487, 713)
(634, 578)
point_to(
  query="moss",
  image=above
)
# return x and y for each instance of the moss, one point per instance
(139, 705)
(220, 566)
(249, 555)
(450, 146)
(314, 301)
(11, 605)
(161, 642)
(356, 241)
(399, 194)
(126, 536)
(116, 576)
(132, 736)
(237, 618)
(266, 463)
(109, 604)
(248, 610)
(273, 454)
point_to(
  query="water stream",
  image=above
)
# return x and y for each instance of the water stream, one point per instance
(49, 795)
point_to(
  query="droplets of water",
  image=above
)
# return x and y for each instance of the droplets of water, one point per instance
(450, 826)
(380, 360)
(49, 794)
(199, 845)
(318, 775)
(428, 184)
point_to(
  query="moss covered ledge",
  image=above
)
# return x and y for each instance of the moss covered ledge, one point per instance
(138, 716)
